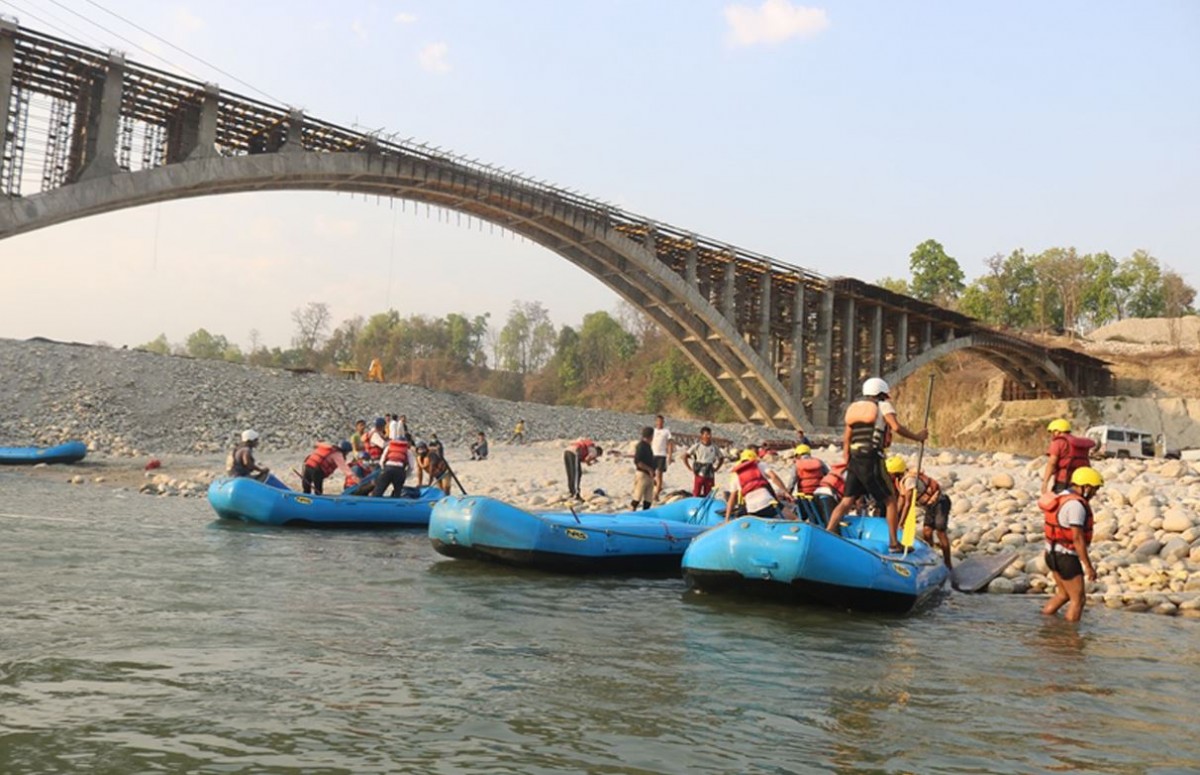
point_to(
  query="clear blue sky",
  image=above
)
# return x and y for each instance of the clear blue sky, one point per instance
(834, 136)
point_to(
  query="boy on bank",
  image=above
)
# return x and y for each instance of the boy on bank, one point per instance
(703, 459)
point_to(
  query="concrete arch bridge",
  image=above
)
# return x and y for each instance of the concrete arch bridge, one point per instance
(89, 132)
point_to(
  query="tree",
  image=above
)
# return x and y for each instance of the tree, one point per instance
(936, 277)
(603, 344)
(158, 345)
(895, 285)
(1142, 275)
(527, 339)
(201, 344)
(312, 321)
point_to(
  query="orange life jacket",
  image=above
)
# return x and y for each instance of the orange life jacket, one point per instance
(322, 458)
(1050, 503)
(809, 471)
(750, 477)
(397, 452)
(866, 436)
(1073, 452)
(836, 481)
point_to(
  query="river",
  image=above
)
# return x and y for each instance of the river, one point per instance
(141, 635)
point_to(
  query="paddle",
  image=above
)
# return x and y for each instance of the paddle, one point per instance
(908, 535)
(453, 478)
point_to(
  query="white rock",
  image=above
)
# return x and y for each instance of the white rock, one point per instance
(1176, 521)
(1002, 481)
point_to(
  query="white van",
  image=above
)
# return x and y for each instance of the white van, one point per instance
(1118, 441)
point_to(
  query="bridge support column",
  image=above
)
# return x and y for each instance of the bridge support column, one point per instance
(927, 336)
(764, 316)
(728, 291)
(205, 141)
(824, 344)
(295, 132)
(689, 269)
(7, 53)
(103, 116)
(849, 348)
(799, 377)
(901, 339)
(877, 342)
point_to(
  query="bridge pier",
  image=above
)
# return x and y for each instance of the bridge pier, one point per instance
(102, 105)
(8, 47)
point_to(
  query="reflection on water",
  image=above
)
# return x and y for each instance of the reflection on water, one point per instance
(138, 635)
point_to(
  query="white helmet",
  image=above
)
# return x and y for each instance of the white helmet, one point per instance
(875, 386)
(250, 435)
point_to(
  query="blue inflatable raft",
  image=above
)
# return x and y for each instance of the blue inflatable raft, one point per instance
(650, 541)
(272, 503)
(803, 562)
(70, 452)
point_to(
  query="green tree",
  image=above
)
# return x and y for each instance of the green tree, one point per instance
(1142, 275)
(936, 276)
(201, 344)
(158, 345)
(603, 343)
(895, 285)
(674, 379)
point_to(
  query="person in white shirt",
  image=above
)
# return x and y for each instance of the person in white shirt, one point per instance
(664, 452)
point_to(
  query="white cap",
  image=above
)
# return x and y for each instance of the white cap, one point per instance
(250, 435)
(875, 386)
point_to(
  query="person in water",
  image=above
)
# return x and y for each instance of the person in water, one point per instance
(1068, 527)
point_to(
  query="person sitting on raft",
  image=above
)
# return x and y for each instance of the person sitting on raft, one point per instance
(241, 462)
(756, 487)
(322, 462)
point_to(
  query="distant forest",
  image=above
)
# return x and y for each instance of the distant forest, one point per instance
(625, 363)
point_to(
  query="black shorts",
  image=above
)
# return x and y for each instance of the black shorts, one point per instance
(937, 514)
(865, 475)
(1067, 566)
(767, 512)
(660, 463)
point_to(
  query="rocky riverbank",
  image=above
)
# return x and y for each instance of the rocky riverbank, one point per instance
(130, 406)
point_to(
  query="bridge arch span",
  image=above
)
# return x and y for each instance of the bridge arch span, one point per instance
(783, 345)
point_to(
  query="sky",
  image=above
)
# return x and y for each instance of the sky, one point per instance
(835, 137)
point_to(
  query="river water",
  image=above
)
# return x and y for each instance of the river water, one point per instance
(137, 635)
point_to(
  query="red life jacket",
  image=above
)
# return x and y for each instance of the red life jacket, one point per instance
(836, 481)
(322, 458)
(397, 452)
(809, 473)
(370, 448)
(1050, 503)
(750, 478)
(583, 448)
(1073, 452)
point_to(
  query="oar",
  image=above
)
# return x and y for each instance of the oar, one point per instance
(453, 478)
(908, 536)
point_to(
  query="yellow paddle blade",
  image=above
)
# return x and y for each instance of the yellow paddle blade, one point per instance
(909, 534)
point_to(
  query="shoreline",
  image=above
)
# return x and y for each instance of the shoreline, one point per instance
(1146, 547)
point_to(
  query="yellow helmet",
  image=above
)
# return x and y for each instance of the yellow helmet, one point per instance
(1059, 425)
(803, 449)
(747, 454)
(895, 465)
(1085, 476)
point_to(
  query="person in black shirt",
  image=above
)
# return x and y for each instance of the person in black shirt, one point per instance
(644, 468)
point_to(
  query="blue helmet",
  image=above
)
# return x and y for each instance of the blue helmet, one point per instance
(344, 446)
(380, 422)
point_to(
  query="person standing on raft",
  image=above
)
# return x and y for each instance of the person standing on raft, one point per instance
(870, 423)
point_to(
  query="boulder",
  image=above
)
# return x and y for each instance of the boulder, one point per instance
(1000, 586)
(1174, 549)
(1002, 481)
(1138, 492)
(1147, 549)
(1176, 520)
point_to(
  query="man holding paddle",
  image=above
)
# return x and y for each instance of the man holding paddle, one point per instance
(870, 423)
